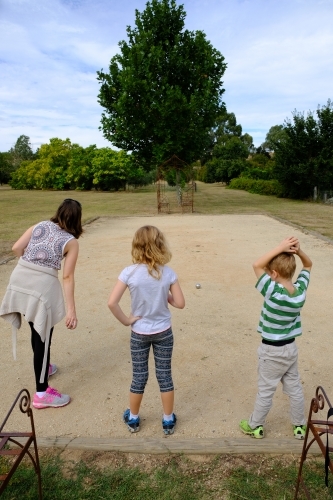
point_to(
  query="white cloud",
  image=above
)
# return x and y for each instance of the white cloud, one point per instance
(279, 57)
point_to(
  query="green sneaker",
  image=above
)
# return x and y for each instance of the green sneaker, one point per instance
(257, 433)
(299, 431)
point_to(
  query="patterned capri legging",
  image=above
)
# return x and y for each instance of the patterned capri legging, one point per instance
(162, 348)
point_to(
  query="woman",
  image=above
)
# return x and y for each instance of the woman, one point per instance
(35, 291)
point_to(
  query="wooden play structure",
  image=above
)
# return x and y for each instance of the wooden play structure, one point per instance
(175, 187)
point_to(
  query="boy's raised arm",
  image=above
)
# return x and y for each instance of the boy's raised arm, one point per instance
(289, 245)
(306, 261)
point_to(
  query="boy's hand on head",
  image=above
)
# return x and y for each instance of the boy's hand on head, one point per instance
(289, 245)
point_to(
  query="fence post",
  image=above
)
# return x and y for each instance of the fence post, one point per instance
(315, 193)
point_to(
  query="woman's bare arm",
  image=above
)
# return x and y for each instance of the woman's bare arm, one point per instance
(21, 244)
(71, 254)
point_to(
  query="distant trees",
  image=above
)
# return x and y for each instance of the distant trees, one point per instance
(63, 165)
(5, 168)
(274, 137)
(163, 91)
(304, 158)
(230, 149)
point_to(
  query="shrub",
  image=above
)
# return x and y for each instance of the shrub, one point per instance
(271, 187)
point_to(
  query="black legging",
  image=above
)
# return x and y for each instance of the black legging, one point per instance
(38, 347)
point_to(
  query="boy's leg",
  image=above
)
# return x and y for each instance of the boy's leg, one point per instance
(271, 368)
(293, 388)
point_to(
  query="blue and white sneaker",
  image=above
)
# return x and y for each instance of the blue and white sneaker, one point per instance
(132, 424)
(169, 425)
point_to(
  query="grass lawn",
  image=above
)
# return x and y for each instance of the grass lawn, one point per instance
(21, 209)
(115, 476)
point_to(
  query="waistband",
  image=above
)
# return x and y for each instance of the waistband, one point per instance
(278, 343)
(35, 267)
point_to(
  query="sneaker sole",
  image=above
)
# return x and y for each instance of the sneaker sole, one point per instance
(136, 429)
(132, 430)
(42, 407)
(168, 432)
(299, 437)
(252, 435)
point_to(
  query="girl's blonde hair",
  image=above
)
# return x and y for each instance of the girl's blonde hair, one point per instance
(150, 247)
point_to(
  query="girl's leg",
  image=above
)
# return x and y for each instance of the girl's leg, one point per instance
(140, 347)
(38, 347)
(162, 348)
(135, 403)
(168, 401)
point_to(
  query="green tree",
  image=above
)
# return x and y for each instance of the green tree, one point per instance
(163, 91)
(5, 168)
(21, 151)
(230, 150)
(80, 173)
(111, 169)
(48, 171)
(304, 159)
(274, 137)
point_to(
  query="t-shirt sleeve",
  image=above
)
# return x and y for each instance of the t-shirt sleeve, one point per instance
(303, 279)
(124, 275)
(265, 285)
(173, 277)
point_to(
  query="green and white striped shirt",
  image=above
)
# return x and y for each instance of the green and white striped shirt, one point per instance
(280, 315)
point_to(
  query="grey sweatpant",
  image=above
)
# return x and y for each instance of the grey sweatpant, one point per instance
(278, 364)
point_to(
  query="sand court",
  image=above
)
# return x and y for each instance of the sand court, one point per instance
(214, 361)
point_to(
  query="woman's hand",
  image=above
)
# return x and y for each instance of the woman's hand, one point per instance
(71, 320)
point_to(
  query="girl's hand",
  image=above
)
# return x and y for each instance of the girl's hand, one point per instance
(132, 319)
(71, 320)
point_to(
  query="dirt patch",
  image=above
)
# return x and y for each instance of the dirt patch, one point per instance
(214, 362)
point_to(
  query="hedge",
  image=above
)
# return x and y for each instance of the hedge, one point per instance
(272, 187)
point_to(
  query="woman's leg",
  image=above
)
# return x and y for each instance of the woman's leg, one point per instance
(38, 347)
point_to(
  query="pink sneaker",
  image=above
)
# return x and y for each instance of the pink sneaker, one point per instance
(51, 399)
(52, 369)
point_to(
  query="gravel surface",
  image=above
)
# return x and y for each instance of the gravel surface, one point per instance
(214, 361)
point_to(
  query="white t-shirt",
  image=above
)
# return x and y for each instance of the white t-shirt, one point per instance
(149, 297)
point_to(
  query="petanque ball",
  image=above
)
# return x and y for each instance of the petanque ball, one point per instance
(198, 285)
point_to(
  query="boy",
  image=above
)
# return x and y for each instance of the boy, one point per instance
(279, 324)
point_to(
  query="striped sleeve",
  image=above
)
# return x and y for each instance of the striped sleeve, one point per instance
(265, 285)
(303, 279)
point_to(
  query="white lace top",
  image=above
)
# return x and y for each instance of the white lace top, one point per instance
(46, 245)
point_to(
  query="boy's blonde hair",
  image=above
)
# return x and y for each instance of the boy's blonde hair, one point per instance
(150, 247)
(284, 264)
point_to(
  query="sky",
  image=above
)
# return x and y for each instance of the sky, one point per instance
(279, 56)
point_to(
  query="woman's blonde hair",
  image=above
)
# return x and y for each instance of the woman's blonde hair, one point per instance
(150, 247)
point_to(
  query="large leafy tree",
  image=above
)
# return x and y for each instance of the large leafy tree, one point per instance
(304, 158)
(163, 91)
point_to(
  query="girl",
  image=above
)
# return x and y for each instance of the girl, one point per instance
(35, 291)
(152, 286)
